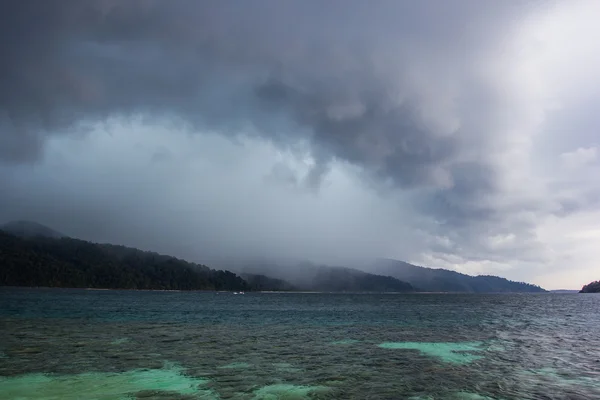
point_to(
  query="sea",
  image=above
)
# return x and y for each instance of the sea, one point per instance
(120, 344)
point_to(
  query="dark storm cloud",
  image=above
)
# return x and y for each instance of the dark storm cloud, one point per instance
(326, 72)
(438, 106)
(461, 205)
(386, 139)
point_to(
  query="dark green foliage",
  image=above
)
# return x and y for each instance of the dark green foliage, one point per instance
(442, 280)
(311, 277)
(592, 287)
(65, 262)
(339, 279)
(262, 282)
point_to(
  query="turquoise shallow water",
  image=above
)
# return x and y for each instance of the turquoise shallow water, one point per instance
(82, 344)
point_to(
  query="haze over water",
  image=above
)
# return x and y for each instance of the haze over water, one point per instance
(83, 344)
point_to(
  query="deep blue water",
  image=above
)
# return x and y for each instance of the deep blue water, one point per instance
(80, 343)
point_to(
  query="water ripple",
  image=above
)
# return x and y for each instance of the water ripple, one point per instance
(295, 346)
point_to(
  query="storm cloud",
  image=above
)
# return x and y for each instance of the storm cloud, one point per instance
(340, 75)
(435, 113)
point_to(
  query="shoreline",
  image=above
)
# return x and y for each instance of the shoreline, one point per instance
(257, 291)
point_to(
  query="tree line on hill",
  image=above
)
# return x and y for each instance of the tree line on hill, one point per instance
(40, 261)
(65, 262)
(443, 280)
(34, 255)
(592, 287)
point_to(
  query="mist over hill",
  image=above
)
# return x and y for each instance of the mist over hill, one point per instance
(26, 229)
(309, 276)
(38, 257)
(32, 254)
(443, 280)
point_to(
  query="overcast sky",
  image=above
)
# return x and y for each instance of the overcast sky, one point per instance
(458, 134)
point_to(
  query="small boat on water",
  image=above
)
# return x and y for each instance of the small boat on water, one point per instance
(238, 292)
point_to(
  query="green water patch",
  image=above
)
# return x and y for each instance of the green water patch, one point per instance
(103, 385)
(285, 391)
(495, 345)
(496, 348)
(235, 365)
(345, 341)
(455, 353)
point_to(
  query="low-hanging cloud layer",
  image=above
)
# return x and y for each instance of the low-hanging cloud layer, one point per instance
(451, 134)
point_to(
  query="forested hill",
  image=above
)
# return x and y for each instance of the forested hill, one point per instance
(443, 280)
(66, 262)
(592, 287)
(36, 260)
(323, 278)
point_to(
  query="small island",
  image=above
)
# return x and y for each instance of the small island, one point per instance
(592, 287)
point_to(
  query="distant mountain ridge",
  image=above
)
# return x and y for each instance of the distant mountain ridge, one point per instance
(312, 277)
(37, 256)
(81, 263)
(40, 261)
(443, 280)
(28, 229)
(265, 283)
